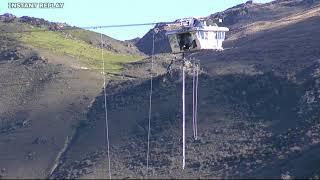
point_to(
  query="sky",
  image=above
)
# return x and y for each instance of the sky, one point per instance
(83, 13)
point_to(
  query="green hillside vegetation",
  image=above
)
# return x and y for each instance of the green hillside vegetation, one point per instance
(86, 53)
(83, 34)
(93, 38)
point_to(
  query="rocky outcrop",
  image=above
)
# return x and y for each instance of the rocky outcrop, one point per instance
(7, 18)
(34, 21)
(10, 54)
(161, 43)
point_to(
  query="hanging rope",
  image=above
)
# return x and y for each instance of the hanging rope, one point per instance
(105, 108)
(196, 101)
(150, 101)
(183, 120)
(193, 100)
(195, 82)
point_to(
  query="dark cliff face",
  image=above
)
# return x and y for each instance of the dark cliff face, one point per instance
(161, 43)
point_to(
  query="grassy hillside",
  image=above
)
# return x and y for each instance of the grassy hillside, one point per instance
(86, 53)
(80, 44)
(111, 44)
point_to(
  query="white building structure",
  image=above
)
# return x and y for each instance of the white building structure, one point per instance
(195, 34)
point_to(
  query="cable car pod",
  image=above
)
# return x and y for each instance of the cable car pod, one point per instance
(194, 34)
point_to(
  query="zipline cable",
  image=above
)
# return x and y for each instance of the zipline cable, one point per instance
(90, 27)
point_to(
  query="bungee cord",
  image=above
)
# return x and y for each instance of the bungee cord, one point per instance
(106, 110)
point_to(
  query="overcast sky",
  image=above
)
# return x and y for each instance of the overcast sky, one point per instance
(109, 12)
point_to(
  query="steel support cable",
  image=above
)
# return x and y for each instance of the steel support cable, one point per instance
(88, 27)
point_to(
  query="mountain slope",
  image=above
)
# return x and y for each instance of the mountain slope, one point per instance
(79, 44)
(109, 43)
(258, 113)
(47, 82)
(258, 107)
(236, 19)
(75, 33)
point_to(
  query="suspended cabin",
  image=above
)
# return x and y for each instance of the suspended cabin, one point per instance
(192, 34)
